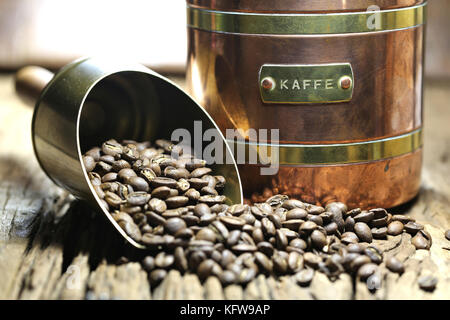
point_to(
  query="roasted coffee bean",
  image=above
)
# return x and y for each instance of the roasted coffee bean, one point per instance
(112, 148)
(358, 262)
(173, 225)
(379, 233)
(419, 241)
(232, 222)
(180, 259)
(138, 184)
(318, 239)
(292, 203)
(161, 192)
(266, 248)
(296, 213)
(197, 183)
(280, 265)
(298, 243)
(295, 262)
(211, 200)
(428, 282)
(308, 227)
(109, 177)
(395, 265)
(177, 201)
(206, 219)
(268, 227)
(316, 219)
(312, 260)
(375, 255)
(304, 277)
(293, 224)
(244, 247)
(164, 260)
(281, 240)
(148, 263)
(349, 223)
(276, 220)
(156, 276)
(233, 238)
(208, 191)
(126, 174)
(206, 234)
(363, 232)
(220, 183)
(248, 217)
(263, 262)
(89, 163)
(149, 175)
(378, 223)
(365, 216)
(163, 182)
(201, 209)
(131, 229)
(94, 153)
(200, 172)
(220, 229)
(192, 194)
(185, 233)
(367, 270)
(402, 218)
(331, 228)
(258, 235)
(413, 227)
(395, 228)
(349, 237)
(356, 247)
(113, 199)
(379, 213)
(228, 277)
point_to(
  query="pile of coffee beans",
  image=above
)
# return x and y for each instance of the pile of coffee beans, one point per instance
(152, 190)
(172, 205)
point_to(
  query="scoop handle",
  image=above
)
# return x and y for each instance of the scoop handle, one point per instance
(30, 81)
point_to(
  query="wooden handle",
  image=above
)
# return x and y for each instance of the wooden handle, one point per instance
(30, 81)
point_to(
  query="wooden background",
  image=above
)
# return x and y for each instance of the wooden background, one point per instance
(53, 247)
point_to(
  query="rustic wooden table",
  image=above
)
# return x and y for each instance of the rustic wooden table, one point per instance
(54, 247)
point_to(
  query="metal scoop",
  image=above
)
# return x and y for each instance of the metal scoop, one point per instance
(92, 100)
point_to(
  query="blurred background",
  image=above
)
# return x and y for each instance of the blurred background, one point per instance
(52, 33)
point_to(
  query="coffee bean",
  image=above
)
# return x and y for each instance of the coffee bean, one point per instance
(163, 182)
(164, 260)
(312, 260)
(199, 172)
(363, 232)
(201, 209)
(304, 277)
(244, 247)
(263, 262)
(395, 228)
(206, 234)
(331, 228)
(367, 270)
(349, 237)
(173, 225)
(296, 213)
(113, 199)
(413, 227)
(318, 239)
(125, 174)
(154, 219)
(89, 163)
(365, 216)
(192, 194)
(379, 233)
(427, 283)
(402, 218)
(156, 276)
(293, 224)
(419, 241)
(375, 255)
(131, 229)
(356, 247)
(177, 201)
(378, 223)
(148, 263)
(228, 277)
(276, 220)
(316, 219)
(185, 233)
(349, 223)
(298, 243)
(395, 265)
(292, 203)
(295, 262)
(308, 227)
(281, 239)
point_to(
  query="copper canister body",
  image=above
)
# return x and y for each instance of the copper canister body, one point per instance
(381, 123)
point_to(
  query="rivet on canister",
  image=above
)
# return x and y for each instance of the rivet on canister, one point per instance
(345, 82)
(268, 84)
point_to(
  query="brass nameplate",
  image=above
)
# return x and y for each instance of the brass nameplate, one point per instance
(322, 83)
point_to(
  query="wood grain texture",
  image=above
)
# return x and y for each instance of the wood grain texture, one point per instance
(55, 247)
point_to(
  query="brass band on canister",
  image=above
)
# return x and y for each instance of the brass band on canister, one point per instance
(284, 24)
(359, 143)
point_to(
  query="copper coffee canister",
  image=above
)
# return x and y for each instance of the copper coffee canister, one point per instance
(341, 80)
